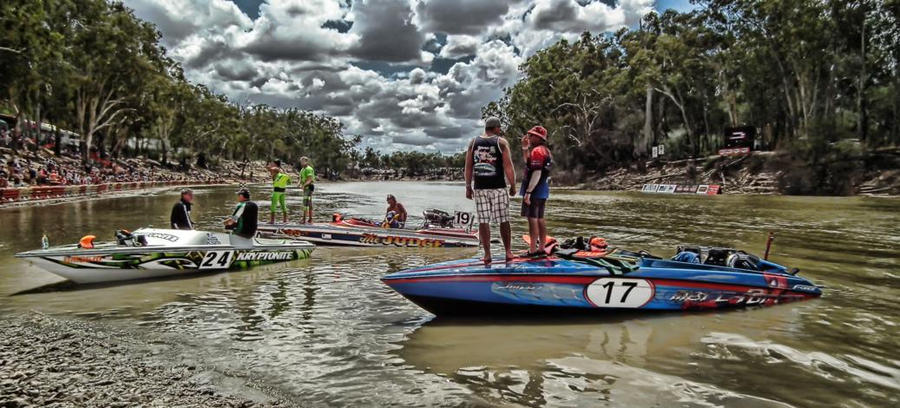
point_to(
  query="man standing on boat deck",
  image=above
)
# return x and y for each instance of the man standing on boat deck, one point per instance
(536, 186)
(307, 183)
(181, 211)
(490, 180)
(243, 220)
(280, 181)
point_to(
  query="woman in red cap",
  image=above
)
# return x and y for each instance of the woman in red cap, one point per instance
(536, 186)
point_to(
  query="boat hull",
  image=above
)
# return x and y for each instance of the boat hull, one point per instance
(152, 265)
(164, 253)
(554, 286)
(361, 236)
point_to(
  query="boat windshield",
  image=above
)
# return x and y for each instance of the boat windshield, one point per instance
(167, 237)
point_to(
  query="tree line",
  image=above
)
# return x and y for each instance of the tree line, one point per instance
(809, 74)
(415, 162)
(93, 67)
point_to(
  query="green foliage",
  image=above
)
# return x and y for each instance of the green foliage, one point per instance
(807, 73)
(819, 165)
(414, 163)
(92, 66)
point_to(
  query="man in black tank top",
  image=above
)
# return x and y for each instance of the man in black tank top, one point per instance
(491, 180)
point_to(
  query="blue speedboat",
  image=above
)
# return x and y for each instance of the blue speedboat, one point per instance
(578, 282)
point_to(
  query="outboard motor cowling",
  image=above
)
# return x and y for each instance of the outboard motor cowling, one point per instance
(743, 260)
(124, 237)
(438, 218)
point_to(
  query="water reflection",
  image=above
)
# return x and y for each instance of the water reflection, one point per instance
(693, 360)
(327, 330)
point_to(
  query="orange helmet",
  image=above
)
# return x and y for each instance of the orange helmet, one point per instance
(598, 243)
(86, 241)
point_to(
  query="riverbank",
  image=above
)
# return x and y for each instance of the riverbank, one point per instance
(44, 168)
(47, 361)
(44, 195)
(758, 173)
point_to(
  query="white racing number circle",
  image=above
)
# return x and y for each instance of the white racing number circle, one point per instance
(619, 292)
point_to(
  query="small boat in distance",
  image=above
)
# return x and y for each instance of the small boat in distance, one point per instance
(601, 282)
(438, 231)
(154, 253)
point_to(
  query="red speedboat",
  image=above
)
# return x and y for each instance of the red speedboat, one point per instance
(438, 231)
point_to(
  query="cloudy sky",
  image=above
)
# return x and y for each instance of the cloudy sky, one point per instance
(404, 74)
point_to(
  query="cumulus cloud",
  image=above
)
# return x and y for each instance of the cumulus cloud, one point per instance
(460, 16)
(293, 30)
(176, 24)
(460, 46)
(386, 31)
(595, 16)
(404, 74)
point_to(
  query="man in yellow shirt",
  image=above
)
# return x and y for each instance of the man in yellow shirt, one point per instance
(307, 183)
(280, 181)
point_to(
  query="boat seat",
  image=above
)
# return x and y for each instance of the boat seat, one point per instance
(616, 265)
(687, 257)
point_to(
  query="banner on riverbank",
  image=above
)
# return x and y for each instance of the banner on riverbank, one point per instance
(705, 189)
(40, 193)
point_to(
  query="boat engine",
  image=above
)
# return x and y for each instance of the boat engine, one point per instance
(438, 218)
(743, 260)
(125, 237)
(730, 257)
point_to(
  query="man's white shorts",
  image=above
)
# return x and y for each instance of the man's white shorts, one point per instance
(492, 205)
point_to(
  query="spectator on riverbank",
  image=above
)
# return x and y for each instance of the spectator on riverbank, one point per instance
(489, 176)
(38, 169)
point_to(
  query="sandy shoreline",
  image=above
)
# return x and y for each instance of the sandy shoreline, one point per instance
(54, 362)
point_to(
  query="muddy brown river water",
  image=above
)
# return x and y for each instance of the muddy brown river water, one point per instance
(326, 331)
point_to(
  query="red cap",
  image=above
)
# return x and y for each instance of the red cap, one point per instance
(538, 131)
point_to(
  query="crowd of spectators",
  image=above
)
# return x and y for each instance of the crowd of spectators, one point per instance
(31, 164)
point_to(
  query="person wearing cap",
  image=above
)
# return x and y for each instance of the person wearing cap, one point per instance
(243, 220)
(536, 186)
(307, 183)
(490, 180)
(280, 181)
(396, 213)
(181, 211)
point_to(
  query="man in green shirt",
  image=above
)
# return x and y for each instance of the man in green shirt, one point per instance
(280, 181)
(307, 183)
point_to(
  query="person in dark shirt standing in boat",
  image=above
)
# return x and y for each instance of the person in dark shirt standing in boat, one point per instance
(243, 221)
(490, 180)
(536, 186)
(181, 211)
